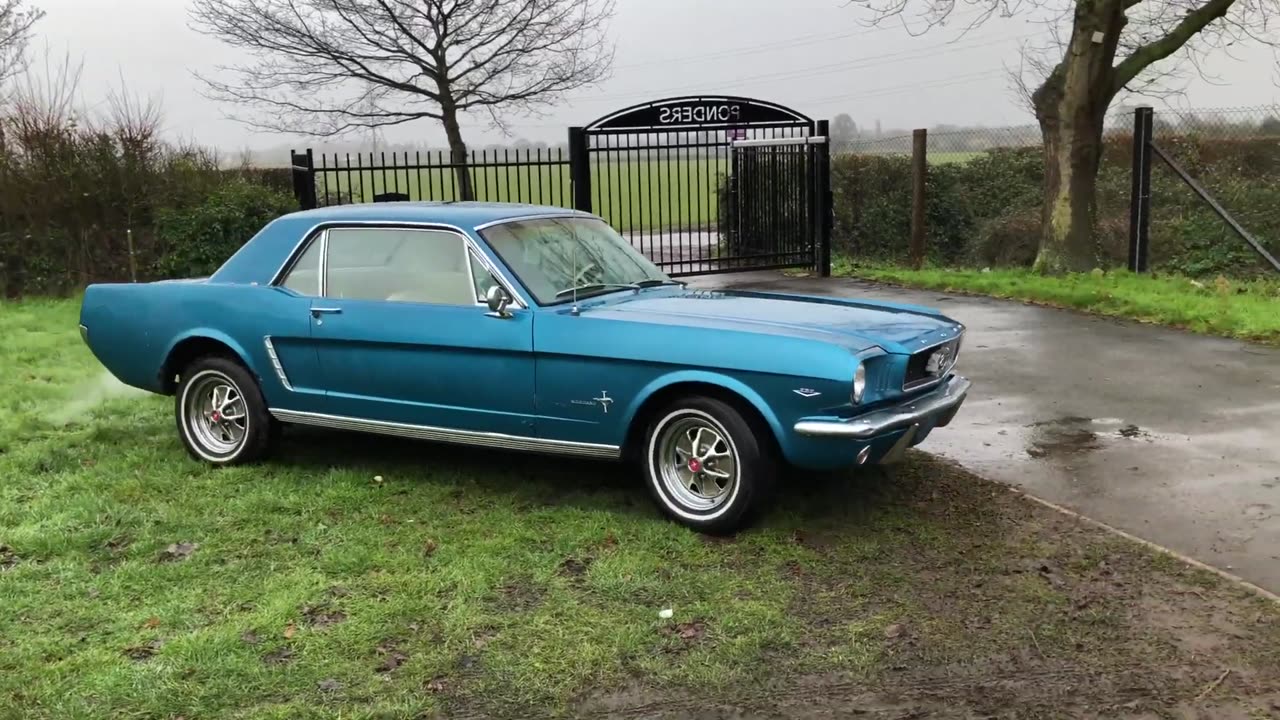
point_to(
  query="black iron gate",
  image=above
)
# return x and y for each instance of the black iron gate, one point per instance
(709, 184)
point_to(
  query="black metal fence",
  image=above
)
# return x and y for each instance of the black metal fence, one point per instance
(528, 175)
(663, 173)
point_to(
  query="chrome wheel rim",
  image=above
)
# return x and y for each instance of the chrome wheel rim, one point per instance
(216, 415)
(698, 464)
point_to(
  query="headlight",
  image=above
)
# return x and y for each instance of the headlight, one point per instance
(859, 383)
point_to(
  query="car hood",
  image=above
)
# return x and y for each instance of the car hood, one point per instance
(856, 324)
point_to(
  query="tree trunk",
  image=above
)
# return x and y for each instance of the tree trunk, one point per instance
(1071, 107)
(457, 151)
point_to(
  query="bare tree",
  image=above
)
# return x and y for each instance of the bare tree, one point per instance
(328, 67)
(1112, 46)
(16, 21)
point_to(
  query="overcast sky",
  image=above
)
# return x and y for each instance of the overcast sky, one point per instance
(814, 55)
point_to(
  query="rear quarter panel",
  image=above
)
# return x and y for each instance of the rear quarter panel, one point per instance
(132, 329)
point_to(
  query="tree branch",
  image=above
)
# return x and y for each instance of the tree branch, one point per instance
(1182, 33)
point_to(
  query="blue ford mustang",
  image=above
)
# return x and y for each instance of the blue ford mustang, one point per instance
(527, 328)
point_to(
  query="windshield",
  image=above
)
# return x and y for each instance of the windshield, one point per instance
(553, 255)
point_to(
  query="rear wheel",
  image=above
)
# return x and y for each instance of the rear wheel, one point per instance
(706, 465)
(221, 415)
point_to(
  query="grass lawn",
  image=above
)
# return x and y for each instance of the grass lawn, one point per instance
(1248, 310)
(632, 193)
(358, 577)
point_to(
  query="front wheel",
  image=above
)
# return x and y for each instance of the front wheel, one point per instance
(221, 415)
(706, 465)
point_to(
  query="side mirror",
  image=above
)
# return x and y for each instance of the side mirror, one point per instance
(497, 299)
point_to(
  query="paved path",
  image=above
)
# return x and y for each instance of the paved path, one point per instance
(1171, 436)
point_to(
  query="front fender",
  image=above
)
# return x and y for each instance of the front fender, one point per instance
(708, 378)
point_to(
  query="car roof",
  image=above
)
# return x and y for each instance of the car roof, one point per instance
(463, 214)
(262, 256)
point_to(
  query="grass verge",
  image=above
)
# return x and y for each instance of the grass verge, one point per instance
(361, 577)
(1247, 310)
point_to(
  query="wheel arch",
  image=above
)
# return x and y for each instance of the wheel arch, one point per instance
(196, 344)
(659, 393)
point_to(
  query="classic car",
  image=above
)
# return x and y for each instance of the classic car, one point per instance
(527, 328)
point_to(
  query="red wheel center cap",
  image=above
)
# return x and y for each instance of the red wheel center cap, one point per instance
(217, 416)
(694, 465)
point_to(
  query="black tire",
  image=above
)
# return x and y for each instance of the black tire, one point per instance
(244, 435)
(668, 466)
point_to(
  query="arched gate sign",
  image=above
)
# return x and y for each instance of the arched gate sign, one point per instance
(706, 184)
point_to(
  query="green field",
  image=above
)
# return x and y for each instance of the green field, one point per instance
(357, 577)
(631, 195)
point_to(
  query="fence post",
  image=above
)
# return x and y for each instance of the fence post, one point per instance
(1140, 196)
(580, 169)
(919, 172)
(304, 178)
(826, 214)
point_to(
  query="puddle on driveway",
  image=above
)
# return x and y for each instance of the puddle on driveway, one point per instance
(1073, 435)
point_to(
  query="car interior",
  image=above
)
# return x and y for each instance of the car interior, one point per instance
(391, 264)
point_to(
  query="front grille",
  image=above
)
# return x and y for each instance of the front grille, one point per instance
(921, 372)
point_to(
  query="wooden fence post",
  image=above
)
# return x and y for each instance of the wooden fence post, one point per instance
(919, 171)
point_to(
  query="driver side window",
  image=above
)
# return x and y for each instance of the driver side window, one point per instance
(391, 265)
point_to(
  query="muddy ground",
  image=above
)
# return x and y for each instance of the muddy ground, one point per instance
(1120, 631)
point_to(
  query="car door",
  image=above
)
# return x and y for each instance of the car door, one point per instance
(401, 336)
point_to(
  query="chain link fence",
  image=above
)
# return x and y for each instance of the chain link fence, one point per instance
(1234, 155)
(985, 187)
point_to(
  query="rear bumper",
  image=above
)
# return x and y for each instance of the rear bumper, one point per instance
(935, 408)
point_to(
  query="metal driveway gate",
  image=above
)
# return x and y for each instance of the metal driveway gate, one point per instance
(709, 184)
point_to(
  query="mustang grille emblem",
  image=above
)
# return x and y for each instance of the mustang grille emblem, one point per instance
(939, 361)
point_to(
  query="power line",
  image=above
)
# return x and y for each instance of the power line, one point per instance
(754, 49)
(961, 79)
(926, 52)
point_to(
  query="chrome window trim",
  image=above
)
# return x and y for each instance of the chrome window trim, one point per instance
(324, 261)
(449, 435)
(295, 255)
(471, 273)
(275, 363)
(471, 244)
(927, 383)
(544, 216)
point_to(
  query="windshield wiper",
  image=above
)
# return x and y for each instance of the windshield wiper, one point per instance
(656, 283)
(596, 287)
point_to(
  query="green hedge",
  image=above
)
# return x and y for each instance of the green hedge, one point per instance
(198, 239)
(986, 211)
(110, 201)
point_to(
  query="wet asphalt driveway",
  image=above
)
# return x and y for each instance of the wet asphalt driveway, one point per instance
(1171, 436)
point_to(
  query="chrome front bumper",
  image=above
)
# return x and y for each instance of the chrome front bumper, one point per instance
(942, 402)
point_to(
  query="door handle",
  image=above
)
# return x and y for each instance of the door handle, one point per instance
(318, 311)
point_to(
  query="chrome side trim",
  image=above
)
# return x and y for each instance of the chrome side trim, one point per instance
(498, 273)
(944, 401)
(546, 216)
(447, 435)
(275, 363)
(84, 333)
